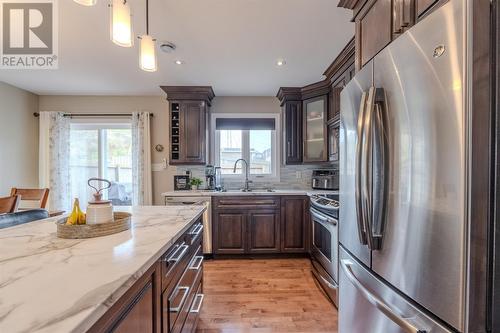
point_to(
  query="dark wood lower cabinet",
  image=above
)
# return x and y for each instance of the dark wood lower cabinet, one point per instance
(140, 317)
(264, 232)
(168, 297)
(229, 232)
(294, 224)
(254, 226)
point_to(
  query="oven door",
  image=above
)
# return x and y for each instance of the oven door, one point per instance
(324, 245)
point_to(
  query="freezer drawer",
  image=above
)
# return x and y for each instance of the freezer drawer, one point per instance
(369, 305)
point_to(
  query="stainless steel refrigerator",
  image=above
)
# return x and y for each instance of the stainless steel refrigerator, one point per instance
(404, 168)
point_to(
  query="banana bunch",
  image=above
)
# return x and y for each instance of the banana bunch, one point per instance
(76, 216)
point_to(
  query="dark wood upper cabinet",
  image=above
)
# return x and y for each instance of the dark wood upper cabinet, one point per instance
(292, 132)
(373, 30)
(264, 231)
(294, 224)
(423, 5)
(379, 22)
(188, 117)
(314, 129)
(308, 110)
(403, 16)
(194, 117)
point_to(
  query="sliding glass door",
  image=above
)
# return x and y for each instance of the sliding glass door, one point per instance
(104, 151)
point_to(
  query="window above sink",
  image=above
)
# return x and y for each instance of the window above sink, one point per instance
(253, 138)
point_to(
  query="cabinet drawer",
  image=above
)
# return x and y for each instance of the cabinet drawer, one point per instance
(242, 202)
(194, 311)
(174, 262)
(177, 302)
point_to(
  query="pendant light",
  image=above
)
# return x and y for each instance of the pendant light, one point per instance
(121, 23)
(86, 2)
(147, 57)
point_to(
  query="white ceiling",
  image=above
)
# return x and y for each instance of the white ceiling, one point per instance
(232, 45)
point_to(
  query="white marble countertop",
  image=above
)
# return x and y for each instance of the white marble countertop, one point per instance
(256, 192)
(48, 284)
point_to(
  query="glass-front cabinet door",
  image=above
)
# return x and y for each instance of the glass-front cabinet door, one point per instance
(315, 138)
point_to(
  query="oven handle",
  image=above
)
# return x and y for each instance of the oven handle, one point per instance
(322, 217)
(377, 302)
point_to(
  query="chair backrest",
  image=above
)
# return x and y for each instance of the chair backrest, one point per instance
(32, 198)
(9, 204)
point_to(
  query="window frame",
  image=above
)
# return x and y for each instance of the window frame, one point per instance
(245, 140)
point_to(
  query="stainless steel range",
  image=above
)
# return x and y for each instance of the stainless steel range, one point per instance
(324, 210)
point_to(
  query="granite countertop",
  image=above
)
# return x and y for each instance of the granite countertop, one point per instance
(256, 192)
(48, 284)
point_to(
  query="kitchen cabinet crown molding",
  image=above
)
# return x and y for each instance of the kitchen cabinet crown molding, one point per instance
(288, 94)
(180, 93)
(343, 60)
(348, 4)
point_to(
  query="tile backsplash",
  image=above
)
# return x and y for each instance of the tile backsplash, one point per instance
(288, 177)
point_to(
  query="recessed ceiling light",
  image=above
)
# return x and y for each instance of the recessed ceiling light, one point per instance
(280, 62)
(179, 62)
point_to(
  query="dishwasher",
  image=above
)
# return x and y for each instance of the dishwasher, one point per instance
(207, 215)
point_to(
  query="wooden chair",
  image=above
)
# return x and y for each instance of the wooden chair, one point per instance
(34, 198)
(9, 204)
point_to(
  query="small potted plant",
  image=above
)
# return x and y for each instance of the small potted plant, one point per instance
(195, 183)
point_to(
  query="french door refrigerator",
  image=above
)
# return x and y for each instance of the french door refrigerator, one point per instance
(403, 170)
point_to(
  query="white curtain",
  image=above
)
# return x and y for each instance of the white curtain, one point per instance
(141, 159)
(54, 159)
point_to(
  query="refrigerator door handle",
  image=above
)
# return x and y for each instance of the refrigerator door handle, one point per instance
(359, 208)
(366, 168)
(374, 120)
(408, 327)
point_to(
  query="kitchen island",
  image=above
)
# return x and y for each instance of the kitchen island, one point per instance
(48, 284)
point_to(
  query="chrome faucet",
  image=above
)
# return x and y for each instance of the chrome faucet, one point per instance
(247, 182)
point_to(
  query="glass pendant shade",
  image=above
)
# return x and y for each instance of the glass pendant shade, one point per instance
(86, 2)
(121, 23)
(148, 54)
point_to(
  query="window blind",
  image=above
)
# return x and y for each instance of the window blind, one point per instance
(245, 124)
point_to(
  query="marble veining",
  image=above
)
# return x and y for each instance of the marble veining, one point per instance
(48, 284)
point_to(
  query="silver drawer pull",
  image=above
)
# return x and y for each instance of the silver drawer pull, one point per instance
(197, 307)
(197, 230)
(178, 307)
(198, 260)
(178, 254)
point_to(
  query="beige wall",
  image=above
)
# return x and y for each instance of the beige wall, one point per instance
(18, 139)
(162, 180)
(245, 105)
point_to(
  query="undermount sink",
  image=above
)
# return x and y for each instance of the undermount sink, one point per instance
(252, 191)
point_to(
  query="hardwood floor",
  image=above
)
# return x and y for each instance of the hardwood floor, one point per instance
(264, 295)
